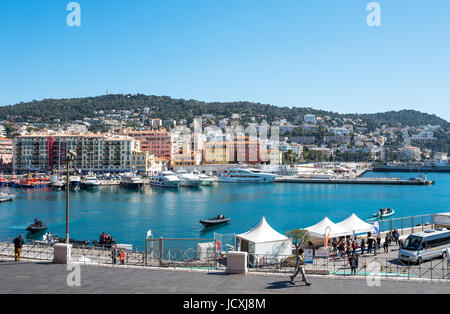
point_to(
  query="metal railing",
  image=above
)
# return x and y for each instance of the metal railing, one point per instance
(374, 266)
(107, 256)
(31, 250)
(182, 253)
(406, 225)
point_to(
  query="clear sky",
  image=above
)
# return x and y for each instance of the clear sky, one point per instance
(307, 53)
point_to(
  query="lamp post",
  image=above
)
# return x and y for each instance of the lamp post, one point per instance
(69, 157)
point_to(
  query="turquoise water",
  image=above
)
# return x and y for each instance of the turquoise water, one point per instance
(128, 215)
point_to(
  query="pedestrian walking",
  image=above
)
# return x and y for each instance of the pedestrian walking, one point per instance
(354, 246)
(341, 248)
(386, 247)
(348, 251)
(299, 267)
(378, 242)
(334, 244)
(369, 245)
(353, 263)
(18, 243)
(114, 254)
(363, 246)
(396, 236)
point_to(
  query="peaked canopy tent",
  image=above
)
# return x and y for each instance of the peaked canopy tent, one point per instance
(325, 227)
(264, 244)
(355, 224)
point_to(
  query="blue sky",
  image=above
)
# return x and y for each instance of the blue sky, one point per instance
(306, 53)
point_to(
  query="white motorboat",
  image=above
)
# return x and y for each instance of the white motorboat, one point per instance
(239, 175)
(5, 197)
(206, 180)
(165, 179)
(132, 181)
(56, 181)
(91, 182)
(188, 179)
(75, 182)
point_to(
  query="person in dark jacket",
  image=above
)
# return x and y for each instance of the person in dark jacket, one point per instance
(363, 246)
(335, 245)
(386, 246)
(369, 245)
(18, 243)
(353, 263)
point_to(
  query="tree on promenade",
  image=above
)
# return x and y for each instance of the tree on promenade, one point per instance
(299, 236)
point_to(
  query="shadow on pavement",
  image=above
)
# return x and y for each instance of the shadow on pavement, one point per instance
(280, 285)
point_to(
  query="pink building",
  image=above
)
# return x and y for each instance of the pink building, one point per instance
(158, 143)
(6, 150)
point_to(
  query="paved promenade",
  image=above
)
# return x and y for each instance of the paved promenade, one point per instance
(49, 278)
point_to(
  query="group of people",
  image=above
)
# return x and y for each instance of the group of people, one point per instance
(369, 245)
(106, 239)
(117, 254)
(37, 222)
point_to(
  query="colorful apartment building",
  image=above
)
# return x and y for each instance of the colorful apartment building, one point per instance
(95, 152)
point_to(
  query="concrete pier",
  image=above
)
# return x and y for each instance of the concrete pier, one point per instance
(380, 181)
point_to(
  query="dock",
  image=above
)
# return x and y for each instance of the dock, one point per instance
(379, 181)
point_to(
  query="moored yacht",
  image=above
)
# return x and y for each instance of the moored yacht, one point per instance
(132, 181)
(56, 182)
(205, 179)
(239, 175)
(165, 179)
(75, 182)
(188, 179)
(91, 181)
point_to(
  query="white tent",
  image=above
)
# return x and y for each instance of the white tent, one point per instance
(325, 227)
(355, 224)
(264, 244)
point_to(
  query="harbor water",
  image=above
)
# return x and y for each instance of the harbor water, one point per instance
(128, 215)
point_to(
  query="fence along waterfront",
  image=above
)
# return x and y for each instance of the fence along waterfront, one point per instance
(207, 254)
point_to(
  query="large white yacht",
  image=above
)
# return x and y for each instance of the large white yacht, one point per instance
(239, 175)
(206, 180)
(165, 179)
(188, 179)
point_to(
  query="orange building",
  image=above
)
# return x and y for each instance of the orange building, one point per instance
(240, 149)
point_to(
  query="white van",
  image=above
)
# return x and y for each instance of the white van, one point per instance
(422, 246)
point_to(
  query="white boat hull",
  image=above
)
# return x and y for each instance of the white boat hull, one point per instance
(166, 184)
(261, 179)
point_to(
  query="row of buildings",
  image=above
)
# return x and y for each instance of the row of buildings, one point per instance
(144, 151)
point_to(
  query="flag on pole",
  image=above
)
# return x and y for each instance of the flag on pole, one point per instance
(376, 227)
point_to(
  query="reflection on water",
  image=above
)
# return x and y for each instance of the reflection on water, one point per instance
(128, 214)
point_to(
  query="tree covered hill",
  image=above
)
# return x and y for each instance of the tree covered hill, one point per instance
(164, 107)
